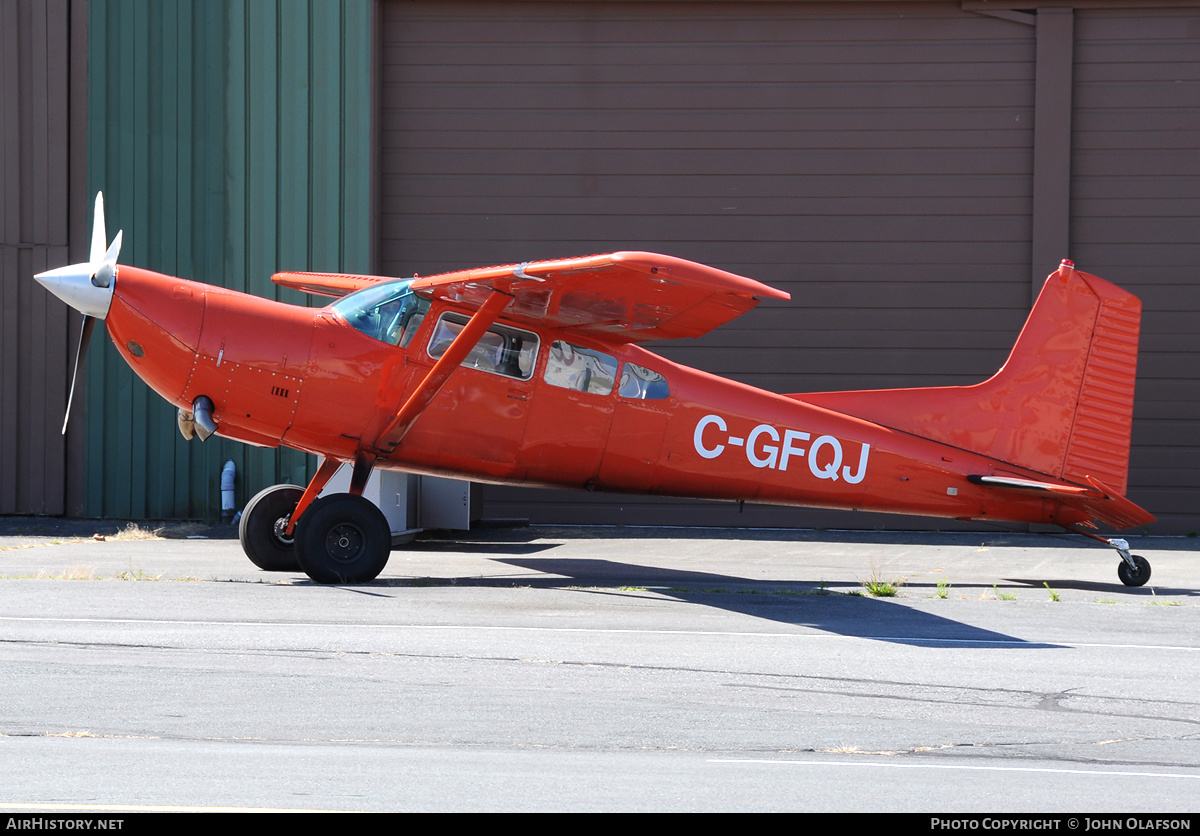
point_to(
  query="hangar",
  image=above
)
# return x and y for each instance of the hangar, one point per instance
(908, 171)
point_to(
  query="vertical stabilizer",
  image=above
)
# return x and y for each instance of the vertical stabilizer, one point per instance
(1062, 404)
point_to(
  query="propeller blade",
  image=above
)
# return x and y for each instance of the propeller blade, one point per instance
(89, 324)
(99, 236)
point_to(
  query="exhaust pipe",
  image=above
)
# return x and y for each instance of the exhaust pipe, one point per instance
(202, 409)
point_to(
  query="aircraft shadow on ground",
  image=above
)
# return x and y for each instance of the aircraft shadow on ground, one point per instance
(983, 537)
(524, 541)
(480, 547)
(798, 604)
(1150, 591)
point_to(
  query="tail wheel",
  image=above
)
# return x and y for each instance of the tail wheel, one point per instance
(263, 528)
(1134, 577)
(343, 538)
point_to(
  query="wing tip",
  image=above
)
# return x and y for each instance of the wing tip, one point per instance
(682, 268)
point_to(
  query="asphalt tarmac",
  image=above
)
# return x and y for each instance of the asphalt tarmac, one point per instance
(599, 669)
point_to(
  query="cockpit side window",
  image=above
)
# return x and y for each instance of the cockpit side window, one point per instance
(389, 312)
(411, 321)
(501, 350)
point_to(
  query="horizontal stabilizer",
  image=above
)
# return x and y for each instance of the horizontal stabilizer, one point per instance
(1026, 485)
(1112, 508)
(1099, 502)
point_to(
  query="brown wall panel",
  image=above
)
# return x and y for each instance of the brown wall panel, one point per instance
(38, 99)
(1135, 181)
(875, 160)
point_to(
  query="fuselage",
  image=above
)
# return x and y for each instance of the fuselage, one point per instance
(534, 406)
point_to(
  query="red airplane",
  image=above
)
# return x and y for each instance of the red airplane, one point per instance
(530, 374)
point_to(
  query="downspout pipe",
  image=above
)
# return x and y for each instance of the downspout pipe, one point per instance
(228, 480)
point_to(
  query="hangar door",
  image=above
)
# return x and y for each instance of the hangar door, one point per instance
(874, 161)
(1135, 208)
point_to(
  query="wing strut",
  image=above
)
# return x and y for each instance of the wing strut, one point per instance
(391, 436)
(324, 474)
(363, 464)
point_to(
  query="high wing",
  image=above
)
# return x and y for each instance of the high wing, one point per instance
(328, 284)
(625, 296)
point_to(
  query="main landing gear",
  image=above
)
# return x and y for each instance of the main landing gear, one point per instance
(341, 538)
(263, 528)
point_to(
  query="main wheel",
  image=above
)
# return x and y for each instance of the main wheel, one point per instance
(261, 529)
(343, 538)
(1132, 577)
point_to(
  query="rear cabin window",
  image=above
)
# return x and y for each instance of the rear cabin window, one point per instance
(501, 350)
(582, 369)
(640, 383)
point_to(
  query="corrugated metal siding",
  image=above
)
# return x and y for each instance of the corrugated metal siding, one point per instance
(36, 333)
(874, 160)
(1136, 220)
(231, 140)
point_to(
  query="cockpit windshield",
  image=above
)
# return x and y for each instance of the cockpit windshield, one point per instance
(390, 312)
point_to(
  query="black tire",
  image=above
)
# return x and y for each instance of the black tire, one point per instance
(343, 538)
(1131, 577)
(261, 528)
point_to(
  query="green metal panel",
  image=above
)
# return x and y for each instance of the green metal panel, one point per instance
(232, 140)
